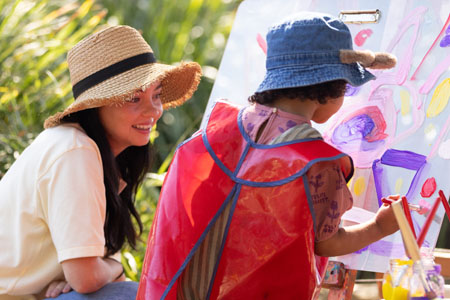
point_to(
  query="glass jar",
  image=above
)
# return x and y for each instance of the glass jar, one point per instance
(396, 280)
(426, 274)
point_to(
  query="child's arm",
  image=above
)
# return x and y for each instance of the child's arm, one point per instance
(353, 238)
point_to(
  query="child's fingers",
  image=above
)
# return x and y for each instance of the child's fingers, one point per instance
(393, 197)
(67, 288)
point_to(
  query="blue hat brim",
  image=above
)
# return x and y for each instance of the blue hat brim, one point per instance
(298, 76)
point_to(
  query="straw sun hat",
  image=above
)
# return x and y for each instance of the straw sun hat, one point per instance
(111, 65)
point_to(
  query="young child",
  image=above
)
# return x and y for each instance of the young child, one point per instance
(251, 205)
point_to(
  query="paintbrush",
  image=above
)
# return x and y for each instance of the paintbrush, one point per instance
(420, 209)
(411, 245)
(428, 221)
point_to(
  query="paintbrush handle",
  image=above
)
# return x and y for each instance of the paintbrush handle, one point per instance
(428, 221)
(408, 215)
(445, 203)
(408, 237)
(413, 207)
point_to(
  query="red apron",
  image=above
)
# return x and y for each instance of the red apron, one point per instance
(269, 247)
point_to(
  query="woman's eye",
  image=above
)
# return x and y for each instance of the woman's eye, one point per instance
(157, 96)
(134, 100)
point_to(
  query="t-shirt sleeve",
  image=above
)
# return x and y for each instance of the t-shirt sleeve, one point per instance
(73, 200)
(330, 197)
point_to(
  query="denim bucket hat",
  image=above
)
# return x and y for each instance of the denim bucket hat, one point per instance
(310, 48)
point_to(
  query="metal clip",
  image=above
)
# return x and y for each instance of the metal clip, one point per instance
(360, 16)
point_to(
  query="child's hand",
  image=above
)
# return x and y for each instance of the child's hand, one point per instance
(385, 218)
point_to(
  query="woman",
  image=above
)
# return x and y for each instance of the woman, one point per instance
(67, 203)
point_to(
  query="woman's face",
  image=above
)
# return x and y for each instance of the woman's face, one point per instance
(130, 124)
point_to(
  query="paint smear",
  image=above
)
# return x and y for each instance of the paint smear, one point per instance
(444, 150)
(262, 43)
(445, 42)
(428, 188)
(352, 90)
(405, 159)
(426, 207)
(360, 186)
(406, 107)
(440, 99)
(398, 186)
(430, 132)
(362, 36)
(432, 46)
(363, 130)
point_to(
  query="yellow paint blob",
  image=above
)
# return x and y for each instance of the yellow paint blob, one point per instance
(404, 97)
(398, 186)
(440, 99)
(390, 293)
(430, 132)
(360, 186)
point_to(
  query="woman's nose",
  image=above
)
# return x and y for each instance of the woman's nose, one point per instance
(153, 108)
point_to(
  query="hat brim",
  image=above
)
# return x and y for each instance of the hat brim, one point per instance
(178, 84)
(298, 76)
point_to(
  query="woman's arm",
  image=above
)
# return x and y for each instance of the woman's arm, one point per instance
(89, 274)
(352, 238)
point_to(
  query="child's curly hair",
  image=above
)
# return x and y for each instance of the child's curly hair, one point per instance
(319, 92)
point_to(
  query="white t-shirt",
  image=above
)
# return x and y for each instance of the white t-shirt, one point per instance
(52, 208)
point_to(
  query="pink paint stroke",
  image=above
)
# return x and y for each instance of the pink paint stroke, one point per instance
(403, 68)
(362, 36)
(434, 76)
(428, 188)
(413, 19)
(413, 77)
(262, 43)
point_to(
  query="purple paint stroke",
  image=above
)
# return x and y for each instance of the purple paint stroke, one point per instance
(360, 133)
(378, 177)
(445, 42)
(280, 129)
(398, 158)
(384, 248)
(405, 159)
(352, 90)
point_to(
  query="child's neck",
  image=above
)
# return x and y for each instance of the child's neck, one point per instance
(298, 107)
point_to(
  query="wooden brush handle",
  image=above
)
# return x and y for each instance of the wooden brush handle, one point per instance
(408, 237)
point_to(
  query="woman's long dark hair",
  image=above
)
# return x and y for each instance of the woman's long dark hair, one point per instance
(131, 165)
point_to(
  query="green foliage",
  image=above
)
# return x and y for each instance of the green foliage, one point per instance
(34, 81)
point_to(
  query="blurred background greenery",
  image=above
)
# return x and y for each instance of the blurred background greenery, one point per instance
(34, 81)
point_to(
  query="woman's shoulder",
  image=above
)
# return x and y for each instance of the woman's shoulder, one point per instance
(64, 137)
